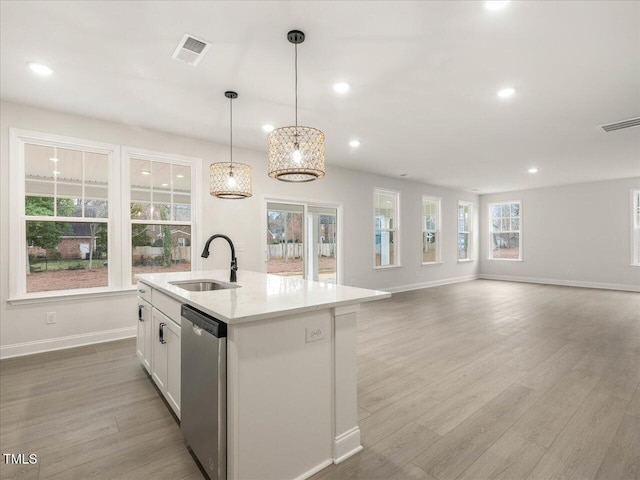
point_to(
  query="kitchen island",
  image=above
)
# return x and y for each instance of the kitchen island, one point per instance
(291, 365)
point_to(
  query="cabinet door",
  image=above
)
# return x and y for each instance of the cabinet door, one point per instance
(159, 349)
(143, 343)
(172, 336)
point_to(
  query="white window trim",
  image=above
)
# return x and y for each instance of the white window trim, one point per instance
(470, 247)
(117, 221)
(395, 230)
(520, 238)
(196, 220)
(635, 229)
(438, 229)
(17, 217)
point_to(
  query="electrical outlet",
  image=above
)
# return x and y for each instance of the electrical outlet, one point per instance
(51, 318)
(315, 333)
(240, 247)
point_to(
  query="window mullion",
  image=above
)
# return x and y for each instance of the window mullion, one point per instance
(55, 183)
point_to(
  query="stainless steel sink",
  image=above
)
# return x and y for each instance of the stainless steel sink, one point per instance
(203, 285)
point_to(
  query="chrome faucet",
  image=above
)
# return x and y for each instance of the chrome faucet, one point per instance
(234, 260)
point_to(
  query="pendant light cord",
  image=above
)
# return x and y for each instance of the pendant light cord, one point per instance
(231, 133)
(296, 70)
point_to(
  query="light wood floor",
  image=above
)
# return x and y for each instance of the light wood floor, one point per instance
(475, 380)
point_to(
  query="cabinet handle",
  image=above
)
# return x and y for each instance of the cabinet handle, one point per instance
(161, 333)
(140, 317)
(141, 290)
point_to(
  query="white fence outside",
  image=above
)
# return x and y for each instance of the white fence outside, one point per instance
(295, 250)
(177, 253)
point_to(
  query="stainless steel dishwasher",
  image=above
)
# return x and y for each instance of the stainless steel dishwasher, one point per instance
(204, 389)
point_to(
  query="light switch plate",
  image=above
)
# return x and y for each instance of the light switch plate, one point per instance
(315, 333)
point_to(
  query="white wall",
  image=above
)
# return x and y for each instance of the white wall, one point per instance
(571, 235)
(240, 219)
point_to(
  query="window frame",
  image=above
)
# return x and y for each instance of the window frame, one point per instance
(469, 231)
(438, 229)
(119, 248)
(17, 216)
(143, 154)
(635, 227)
(519, 232)
(395, 230)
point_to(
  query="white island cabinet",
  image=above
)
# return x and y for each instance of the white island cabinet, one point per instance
(158, 342)
(291, 366)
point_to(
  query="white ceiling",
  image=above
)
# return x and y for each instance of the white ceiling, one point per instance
(423, 77)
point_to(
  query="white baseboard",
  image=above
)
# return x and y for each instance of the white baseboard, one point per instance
(346, 445)
(314, 470)
(60, 343)
(565, 283)
(434, 283)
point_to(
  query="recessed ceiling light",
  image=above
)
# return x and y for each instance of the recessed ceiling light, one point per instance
(40, 69)
(533, 170)
(341, 87)
(145, 172)
(495, 4)
(268, 128)
(165, 184)
(53, 159)
(180, 176)
(354, 143)
(506, 92)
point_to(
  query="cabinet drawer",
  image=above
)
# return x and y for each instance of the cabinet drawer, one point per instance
(144, 291)
(167, 305)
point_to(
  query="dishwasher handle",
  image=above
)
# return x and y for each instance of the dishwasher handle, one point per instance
(206, 322)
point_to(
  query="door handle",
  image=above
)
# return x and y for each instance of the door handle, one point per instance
(161, 333)
(140, 317)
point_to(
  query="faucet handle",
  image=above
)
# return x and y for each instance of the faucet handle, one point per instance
(234, 264)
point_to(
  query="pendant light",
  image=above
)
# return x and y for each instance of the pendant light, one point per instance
(296, 154)
(230, 180)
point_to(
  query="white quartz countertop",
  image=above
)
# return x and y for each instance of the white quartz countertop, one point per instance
(259, 296)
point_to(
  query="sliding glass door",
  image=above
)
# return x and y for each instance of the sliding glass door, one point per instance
(323, 253)
(285, 239)
(302, 240)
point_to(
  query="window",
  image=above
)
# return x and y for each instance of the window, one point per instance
(430, 230)
(160, 213)
(505, 225)
(68, 220)
(464, 230)
(62, 201)
(635, 224)
(386, 224)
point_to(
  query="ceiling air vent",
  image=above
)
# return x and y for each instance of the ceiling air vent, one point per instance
(632, 122)
(191, 50)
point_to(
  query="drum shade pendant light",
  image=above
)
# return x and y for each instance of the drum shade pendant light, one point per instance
(296, 154)
(230, 180)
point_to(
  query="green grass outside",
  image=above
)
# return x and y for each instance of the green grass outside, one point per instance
(49, 265)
